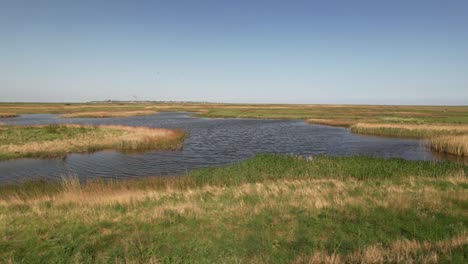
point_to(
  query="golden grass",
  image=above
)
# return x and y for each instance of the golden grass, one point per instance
(108, 114)
(7, 115)
(169, 199)
(450, 139)
(456, 145)
(124, 138)
(310, 194)
(330, 122)
(400, 251)
(371, 127)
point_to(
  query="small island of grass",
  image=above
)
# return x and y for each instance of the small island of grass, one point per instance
(7, 115)
(108, 114)
(55, 140)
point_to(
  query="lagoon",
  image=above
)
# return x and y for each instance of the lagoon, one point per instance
(211, 142)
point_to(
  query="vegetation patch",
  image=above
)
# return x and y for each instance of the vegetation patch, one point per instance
(57, 140)
(409, 130)
(107, 114)
(456, 145)
(330, 122)
(268, 209)
(344, 113)
(450, 139)
(7, 115)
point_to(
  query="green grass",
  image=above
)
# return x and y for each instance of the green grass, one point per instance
(272, 167)
(269, 209)
(23, 135)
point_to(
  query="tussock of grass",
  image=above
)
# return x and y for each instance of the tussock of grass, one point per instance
(456, 145)
(108, 114)
(274, 209)
(58, 140)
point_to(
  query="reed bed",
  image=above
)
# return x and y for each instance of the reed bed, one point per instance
(330, 122)
(108, 114)
(455, 145)
(272, 209)
(57, 140)
(7, 115)
(409, 130)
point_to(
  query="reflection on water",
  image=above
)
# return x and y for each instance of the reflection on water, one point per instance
(212, 142)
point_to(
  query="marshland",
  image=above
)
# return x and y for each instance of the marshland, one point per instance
(233, 132)
(271, 208)
(220, 199)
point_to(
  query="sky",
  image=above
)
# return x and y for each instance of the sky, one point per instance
(352, 52)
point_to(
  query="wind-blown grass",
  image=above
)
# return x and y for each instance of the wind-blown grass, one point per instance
(456, 145)
(108, 114)
(449, 139)
(268, 209)
(409, 130)
(7, 115)
(330, 122)
(58, 140)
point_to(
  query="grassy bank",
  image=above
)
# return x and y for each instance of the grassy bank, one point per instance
(456, 145)
(267, 209)
(7, 115)
(58, 140)
(108, 114)
(449, 139)
(409, 130)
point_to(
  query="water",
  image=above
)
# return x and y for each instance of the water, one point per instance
(212, 142)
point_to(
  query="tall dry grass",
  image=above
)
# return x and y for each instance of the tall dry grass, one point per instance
(330, 122)
(122, 138)
(108, 114)
(408, 130)
(415, 218)
(456, 145)
(7, 115)
(400, 251)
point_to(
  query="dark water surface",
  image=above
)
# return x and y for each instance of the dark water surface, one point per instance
(212, 142)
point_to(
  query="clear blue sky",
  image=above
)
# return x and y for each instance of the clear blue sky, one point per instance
(375, 52)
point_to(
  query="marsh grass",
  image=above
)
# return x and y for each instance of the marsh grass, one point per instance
(345, 113)
(331, 122)
(7, 115)
(409, 130)
(57, 140)
(449, 139)
(455, 145)
(268, 209)
(108, 114)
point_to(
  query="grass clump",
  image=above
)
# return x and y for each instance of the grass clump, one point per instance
(274, 209)
(108, 114)
(57, 140)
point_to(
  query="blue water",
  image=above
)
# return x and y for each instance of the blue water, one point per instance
(212, 142)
